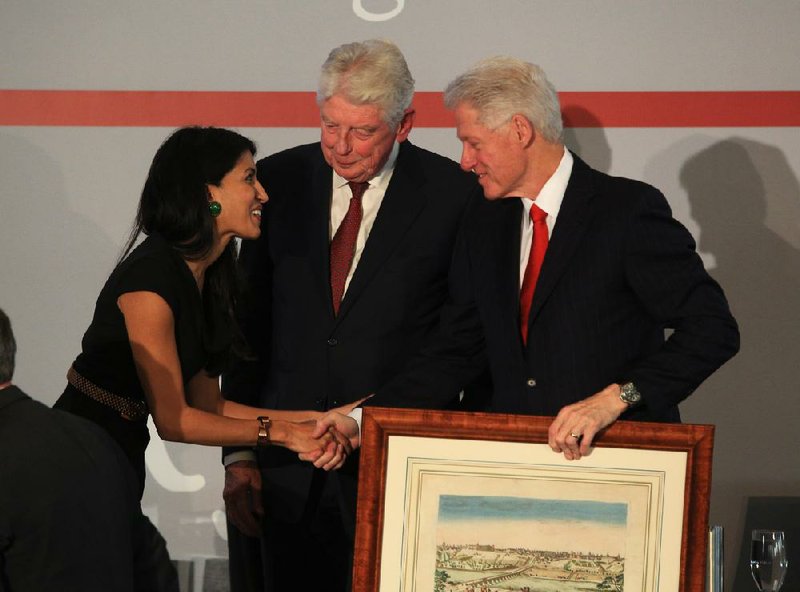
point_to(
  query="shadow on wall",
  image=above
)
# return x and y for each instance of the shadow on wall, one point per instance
(732, 185)
(588, 140)
(53, 262)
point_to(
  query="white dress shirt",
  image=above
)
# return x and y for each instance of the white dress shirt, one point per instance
(549, 200)
(370, 204)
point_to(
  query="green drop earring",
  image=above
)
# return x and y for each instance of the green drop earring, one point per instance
(215, 208)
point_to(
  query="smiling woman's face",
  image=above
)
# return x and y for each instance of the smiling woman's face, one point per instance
(241, 197)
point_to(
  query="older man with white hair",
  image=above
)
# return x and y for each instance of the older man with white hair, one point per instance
(347, 279)
(565, 277)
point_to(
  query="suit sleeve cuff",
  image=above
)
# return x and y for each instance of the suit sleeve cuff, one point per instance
(356, 414)
(240, 455)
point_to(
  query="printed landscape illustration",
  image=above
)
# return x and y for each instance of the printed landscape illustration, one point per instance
(504, 543)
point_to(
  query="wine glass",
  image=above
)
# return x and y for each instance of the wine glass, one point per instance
(768, 561)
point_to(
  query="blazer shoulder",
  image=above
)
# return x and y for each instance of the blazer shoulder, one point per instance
(433, 162)
(436, 173)
(616, 192)
(301, 156)
(286, 170)
(12, 394)
(636, 196)
(484, 218)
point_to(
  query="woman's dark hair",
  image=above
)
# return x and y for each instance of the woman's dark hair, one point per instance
(174, 202)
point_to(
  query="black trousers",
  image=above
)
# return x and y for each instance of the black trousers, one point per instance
(245, 561)
(318, 551)
(153, 571)
(314, 553)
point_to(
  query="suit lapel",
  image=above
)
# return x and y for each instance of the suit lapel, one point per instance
(319, 212)
(570, 226)
(503, 227)
(506, 234)
(405, 198)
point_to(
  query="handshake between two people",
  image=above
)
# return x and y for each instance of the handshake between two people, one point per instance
(331, 438)
(326, 441)
(328, 438)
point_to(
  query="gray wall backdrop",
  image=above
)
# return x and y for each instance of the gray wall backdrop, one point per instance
(68, 194)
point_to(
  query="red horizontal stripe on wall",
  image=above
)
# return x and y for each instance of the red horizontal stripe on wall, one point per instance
(298, 109)
(681, 109)
(157, 108)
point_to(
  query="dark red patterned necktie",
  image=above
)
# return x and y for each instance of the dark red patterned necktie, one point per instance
(343, 244)
(538, 248)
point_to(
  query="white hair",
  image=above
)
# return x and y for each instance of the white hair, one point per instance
(368, 72)
(500, 87)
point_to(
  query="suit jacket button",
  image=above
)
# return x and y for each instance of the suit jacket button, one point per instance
(332, 342)
(531, 382)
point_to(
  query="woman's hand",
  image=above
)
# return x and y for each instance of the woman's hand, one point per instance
(342, 426)
(327, 450)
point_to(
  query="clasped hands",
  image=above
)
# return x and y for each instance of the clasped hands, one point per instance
(326, 442)
(332, 438)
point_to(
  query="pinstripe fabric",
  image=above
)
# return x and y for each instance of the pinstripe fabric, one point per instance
(619, 271)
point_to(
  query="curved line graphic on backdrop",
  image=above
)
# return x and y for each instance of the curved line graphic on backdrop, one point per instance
(363, 13)
(164, 470)
(219, 520)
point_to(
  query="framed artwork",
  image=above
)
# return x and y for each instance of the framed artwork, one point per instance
(454, 501)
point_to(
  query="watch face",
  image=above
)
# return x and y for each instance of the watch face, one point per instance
(629, 394)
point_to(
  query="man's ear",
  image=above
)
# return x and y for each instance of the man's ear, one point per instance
(405, 125)
(523, 129)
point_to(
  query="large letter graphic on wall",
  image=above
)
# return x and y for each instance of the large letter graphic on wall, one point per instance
(363, 13)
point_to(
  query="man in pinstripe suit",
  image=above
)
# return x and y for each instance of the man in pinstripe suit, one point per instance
(617, 272)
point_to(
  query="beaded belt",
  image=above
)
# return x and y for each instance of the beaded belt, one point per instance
(127, 408)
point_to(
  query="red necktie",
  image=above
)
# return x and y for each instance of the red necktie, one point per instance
(343, 244)
(538, 248)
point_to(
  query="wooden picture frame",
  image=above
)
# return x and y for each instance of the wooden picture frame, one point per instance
(659, 474)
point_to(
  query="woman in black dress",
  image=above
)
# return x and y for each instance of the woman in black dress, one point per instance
(164, 323)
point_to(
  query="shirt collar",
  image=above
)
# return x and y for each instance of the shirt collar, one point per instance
(552, 193)
(381, 180)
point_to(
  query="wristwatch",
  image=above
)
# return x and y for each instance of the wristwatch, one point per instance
(629, 394)
(264, 424)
